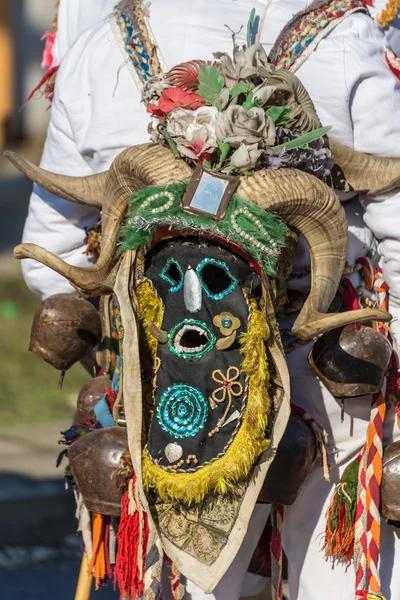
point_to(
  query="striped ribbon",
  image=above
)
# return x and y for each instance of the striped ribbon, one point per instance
(367, 526)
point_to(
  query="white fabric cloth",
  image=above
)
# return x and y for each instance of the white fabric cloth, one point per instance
(97, 113)
(74, 17)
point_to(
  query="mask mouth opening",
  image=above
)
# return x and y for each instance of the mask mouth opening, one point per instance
(191, 339)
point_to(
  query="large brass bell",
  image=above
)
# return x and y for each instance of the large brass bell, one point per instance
(64, 330)
(93, 459)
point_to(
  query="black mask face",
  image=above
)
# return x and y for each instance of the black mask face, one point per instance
(200, 387)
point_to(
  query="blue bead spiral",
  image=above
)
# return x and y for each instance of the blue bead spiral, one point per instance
(182, 410)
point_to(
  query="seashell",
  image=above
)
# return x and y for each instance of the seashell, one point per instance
(173, 452)
(186, 75)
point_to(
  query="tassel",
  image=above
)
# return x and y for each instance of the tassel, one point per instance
(97, 564)
(340, 516)
(132, 537)
(48, 55)
(48, 80)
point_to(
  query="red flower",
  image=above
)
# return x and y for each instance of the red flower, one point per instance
(173, 98)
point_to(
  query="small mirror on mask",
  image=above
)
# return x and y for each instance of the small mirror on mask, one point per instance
(209, 193)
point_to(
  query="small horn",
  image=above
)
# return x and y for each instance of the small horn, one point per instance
(156, 332)
(81, 190)
(130, 171)
(226, 342)
(365, 173)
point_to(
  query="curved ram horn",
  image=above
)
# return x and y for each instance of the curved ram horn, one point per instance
(365, 173)
(81, 190)
(308, 205)
(130, 171)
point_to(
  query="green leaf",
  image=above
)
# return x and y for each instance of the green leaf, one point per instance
(249, 103)
(279, 114)
(211, 83)
(239, 88)
(229, 171)
(224, 149)
(250, 24)
(307, 138)
(207, 164)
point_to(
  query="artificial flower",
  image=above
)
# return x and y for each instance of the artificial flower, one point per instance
(237, 126)
(186, 75)
(194, 131)
(245, 157)
(153, 89)
(247, 63)
(262, 93)
(173, 98)
(226, 323)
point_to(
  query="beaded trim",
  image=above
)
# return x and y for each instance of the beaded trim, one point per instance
(272, 249)
(182, 411)
(310, 29)
(222, 265)
(176, 287)
(133, 46)
(238, 423)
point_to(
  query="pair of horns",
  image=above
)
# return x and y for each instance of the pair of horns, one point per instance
(301, 200)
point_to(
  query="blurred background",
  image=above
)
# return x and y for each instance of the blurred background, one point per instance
(39, 549)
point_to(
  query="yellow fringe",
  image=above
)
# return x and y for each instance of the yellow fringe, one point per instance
(224, 474)
(150, 309)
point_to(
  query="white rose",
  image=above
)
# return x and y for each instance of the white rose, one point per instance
(194, 130)
(245, 157)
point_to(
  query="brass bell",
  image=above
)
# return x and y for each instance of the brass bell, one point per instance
(65, 328)
(293, 462)
(351, 361)
(390, 489)
(91, 393)
(93, 459)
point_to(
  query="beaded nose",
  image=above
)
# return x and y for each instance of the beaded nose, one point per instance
(192, 291)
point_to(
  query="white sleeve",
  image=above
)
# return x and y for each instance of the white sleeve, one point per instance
(374, 94)
(55, 223)
(75, 17)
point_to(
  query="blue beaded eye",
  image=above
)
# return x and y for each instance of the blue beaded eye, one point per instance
(216, 278)
(173, 273)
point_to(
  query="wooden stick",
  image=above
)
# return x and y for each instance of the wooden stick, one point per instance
(85, 580)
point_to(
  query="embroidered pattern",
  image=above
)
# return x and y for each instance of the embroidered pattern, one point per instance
(308, 28)
(217, 263)
(133, 46)
(202, 532)
(230, 386)
(182, 411)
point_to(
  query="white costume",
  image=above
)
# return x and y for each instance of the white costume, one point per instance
(74, 17)
(97, 112)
